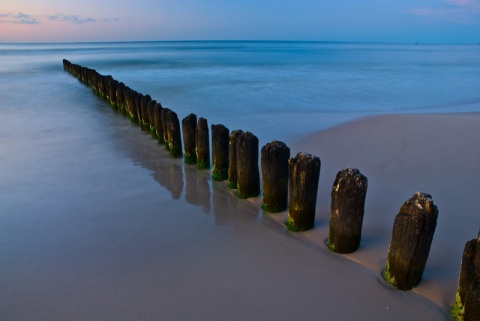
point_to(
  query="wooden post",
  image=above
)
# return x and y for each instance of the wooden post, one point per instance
(119, 97)
(189, 126)
(346, 214)
(274, 162)
(174, 136)
(410, 243)
(145, 121)
(232, 158)
(304, 172)
(202, 141)
(467, 299)
(151, 118)
(220, 139)
(248, 174)
(157, 116)
(163, 115)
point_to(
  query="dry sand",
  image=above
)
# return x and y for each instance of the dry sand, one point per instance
(179, 247)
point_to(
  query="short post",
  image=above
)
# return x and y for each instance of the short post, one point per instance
(346, 213)
(274, 162)
(232, 158)
(248, 174)
(304, 172)
(410, 243)
(467, 300)
(157, 116)
(202, 141)
(220, 139)
(174, 136)
(189, 125)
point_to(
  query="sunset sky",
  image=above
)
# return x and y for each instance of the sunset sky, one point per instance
(425, 21)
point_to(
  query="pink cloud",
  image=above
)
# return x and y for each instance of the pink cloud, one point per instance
(458, 11)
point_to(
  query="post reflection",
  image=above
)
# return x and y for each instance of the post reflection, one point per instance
(197, 190)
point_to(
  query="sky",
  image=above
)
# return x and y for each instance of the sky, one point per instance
(406, 21)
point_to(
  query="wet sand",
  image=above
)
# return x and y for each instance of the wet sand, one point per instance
(132, 234)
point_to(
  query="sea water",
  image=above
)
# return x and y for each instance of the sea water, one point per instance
(96, 220)
(278, 89)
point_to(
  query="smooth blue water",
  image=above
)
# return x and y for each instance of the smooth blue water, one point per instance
(274, 89)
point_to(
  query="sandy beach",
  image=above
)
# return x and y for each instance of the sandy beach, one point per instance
(149, 238)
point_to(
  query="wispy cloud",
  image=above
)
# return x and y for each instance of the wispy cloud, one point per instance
(18, 18)
(459, 11)
(76, 19)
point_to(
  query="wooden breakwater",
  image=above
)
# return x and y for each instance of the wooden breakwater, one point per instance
(291, 183)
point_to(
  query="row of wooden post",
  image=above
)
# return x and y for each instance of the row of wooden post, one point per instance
(292, 183)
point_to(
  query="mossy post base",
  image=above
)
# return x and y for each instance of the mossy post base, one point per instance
(304, 173)
(248, 174)
(220, 141)
(174, 136)
(346, 213)
(411, 240)
(202, 141)
(232, 158)
(467, 302)
(274, 163)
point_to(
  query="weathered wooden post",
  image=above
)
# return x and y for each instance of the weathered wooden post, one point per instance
(138, 106)
(202, 141)
(232, 158)
(157, 116)
(220, 138)
(145, 121)
(467, 300)
(163, 116)
(120, 98)
(174, 136)
(410, 243)
(189, 126)
(304, 172)
(274, 162)
(151, 118)
(248, 174)
(346, 213)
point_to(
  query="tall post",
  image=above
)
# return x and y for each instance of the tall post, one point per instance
(347, 209)
(274, 162)
(232, 158)
(174, 135)
(412, 237)
(202, 141)
(248, 174)
(467, 300)
(189, 126)
(304, 172)
(220, 139)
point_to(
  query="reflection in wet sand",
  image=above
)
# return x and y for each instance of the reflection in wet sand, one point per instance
(197, 190)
